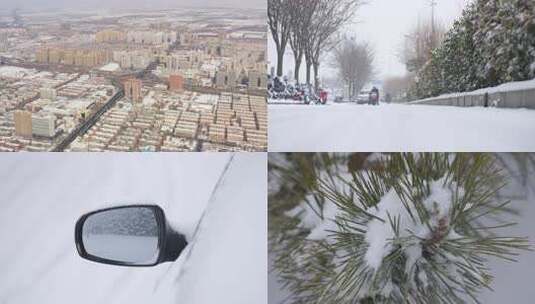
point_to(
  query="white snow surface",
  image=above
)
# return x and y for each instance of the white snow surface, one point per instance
(380, 234)
(398, 127)
(14, 72)
(309, 213)
(44, 194)
(110, 67)
(149, 100)
(319, 228)
(230, 264)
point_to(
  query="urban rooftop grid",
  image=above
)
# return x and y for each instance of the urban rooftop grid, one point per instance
(179, 80)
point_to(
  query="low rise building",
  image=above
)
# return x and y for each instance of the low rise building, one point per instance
(49, 93)
(43, 125)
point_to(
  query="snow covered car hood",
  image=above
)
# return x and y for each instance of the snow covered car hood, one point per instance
(43, 196)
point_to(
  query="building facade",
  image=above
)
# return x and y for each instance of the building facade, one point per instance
(43, 126)
(3, 42)
(78, 57)
(176, 82)
(110, 36)
(132, 88)
(23, 123)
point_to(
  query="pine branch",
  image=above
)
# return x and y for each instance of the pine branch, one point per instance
(414, 229)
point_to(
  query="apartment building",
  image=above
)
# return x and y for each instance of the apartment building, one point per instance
(132, 88)
(110, 36)
(23, 123)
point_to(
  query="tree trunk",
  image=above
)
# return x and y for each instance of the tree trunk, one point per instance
(298, 60)
(309, 71)
(316, 76)
(280, 61)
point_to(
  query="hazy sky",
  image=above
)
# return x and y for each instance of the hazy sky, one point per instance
(383, 23)
(100, 4)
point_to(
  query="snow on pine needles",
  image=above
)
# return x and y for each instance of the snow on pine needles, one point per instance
(409, 227)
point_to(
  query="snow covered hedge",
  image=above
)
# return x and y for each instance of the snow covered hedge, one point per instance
(398, 228)
(492, 43)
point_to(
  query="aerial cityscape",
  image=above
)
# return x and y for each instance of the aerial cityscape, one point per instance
(175, 80)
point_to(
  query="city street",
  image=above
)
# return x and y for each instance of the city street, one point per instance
(396, 127)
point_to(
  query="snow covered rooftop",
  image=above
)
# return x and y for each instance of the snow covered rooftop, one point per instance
(110, 67)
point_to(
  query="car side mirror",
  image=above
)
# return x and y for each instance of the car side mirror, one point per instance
(135, 235)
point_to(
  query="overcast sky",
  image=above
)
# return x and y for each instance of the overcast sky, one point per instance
(100, 4)
(383, 23)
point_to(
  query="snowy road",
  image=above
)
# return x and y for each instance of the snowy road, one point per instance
(396, 127)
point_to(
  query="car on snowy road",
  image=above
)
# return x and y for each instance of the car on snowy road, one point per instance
(363, 97)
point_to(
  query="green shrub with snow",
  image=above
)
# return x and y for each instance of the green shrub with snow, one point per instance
(402, 228)
(492, 43)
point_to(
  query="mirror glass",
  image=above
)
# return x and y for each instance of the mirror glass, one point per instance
(128, 235)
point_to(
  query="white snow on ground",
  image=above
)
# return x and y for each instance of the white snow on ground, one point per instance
(206, 98)
(149, 100)
(43, 195)
(285, 101)
(398, 127)
(110, 67)
(14, 72)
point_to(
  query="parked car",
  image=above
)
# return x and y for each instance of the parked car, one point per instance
(363, 97)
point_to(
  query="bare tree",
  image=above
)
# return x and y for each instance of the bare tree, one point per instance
(301, 13)
(330, 16)
(279, 26)
(354, 62)
(424, 37)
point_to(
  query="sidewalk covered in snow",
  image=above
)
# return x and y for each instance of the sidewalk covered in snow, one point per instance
(398, 127)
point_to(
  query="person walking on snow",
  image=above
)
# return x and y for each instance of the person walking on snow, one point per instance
(374, 96)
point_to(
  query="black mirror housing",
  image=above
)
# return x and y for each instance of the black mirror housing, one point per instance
(170, 243)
